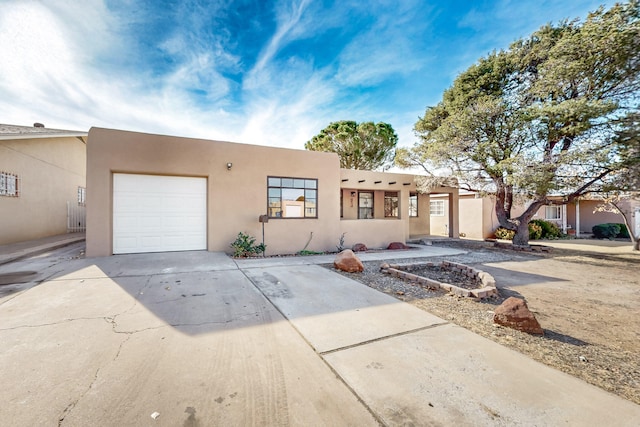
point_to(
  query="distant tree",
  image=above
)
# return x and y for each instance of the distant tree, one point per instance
(365, 146)
(542, 118)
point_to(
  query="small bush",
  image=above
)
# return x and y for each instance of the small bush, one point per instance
(503, 233)
(624, 232)
(535, 231)
(244, 246)
(606, 231)
(550, 230)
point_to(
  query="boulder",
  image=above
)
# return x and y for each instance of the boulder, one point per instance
(359, 247)
(514, 313)
(348, 261)
(397, 245)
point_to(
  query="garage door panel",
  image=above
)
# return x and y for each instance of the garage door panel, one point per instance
(158, 213)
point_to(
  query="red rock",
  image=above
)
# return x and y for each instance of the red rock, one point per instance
(359, 247)
(348, 261)
(397, 245)
(514, 313)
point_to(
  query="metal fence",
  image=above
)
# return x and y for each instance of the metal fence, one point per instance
(76, 217)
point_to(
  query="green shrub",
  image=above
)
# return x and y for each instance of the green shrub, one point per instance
(606, 231)
(503, 233)
(244, 246)
(624, 232)
(535, 231)
(550, 230)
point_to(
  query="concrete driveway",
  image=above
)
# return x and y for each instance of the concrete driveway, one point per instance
(197, 339)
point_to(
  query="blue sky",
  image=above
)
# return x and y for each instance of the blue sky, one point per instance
(260, 72)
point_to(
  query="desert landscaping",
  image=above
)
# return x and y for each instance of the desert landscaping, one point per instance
(584, 293)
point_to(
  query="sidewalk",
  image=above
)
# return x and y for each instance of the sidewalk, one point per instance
(14, 251)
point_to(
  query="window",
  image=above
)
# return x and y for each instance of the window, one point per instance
(292, 197)
(365, 205)
(413, 205)
(553, 212)
(82, 194)
(436, 208)
(391, 204)
(8, 184)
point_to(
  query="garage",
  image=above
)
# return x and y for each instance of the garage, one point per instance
(153, 213)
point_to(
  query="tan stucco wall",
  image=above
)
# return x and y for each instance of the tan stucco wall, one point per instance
(379, 183)
(49, 170)
(236, 197)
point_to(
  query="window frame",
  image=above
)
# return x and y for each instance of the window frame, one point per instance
(439, 203)
(557, 208)
(7, 190)
(413, 205)
(305, 187)
(366, 207)
(389, 196)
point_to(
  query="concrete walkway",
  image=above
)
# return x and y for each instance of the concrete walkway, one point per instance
(202, 339)
(15, 251)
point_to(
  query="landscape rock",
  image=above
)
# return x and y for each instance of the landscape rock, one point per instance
(359, 247)
(514, 313)
(348, 261)
(397, 245)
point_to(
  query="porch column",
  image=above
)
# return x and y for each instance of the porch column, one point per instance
(564, 219)
(578, 218)
(454, 215)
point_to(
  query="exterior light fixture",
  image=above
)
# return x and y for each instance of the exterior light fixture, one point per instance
(229, 165)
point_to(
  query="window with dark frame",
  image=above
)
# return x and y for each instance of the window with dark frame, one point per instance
(292, 197)
(413, 205)
(9, 184)
(391, 204)
(365, 205)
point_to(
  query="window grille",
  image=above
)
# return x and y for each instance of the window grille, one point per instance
(9, 184)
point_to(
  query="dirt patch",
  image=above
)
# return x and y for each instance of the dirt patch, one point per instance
(586, 301)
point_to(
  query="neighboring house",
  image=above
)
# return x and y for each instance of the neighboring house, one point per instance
(155, 193)
(477, 218)
(580, 216)
(42, 181)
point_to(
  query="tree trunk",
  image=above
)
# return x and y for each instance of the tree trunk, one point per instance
(522, 233)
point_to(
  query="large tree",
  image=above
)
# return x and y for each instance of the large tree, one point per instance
(541, 118)
(366, 146)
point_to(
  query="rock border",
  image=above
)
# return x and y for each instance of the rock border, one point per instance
(485, 280)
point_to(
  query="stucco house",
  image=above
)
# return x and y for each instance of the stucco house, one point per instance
(154, 193)
(42, 181)
(477, 218)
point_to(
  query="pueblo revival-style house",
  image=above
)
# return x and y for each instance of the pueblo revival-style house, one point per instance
(156, 193)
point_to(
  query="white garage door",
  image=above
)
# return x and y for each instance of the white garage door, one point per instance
(159, 213)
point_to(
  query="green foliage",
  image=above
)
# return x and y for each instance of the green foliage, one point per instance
(244, 246)
(606, 231)
(610, 231)
(535, 231)
(504, 234)
(550, 230)
(340, 247)
(305, 252)
(365, 146)
(624, 231)
(555, 113)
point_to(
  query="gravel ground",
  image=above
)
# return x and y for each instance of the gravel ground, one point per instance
(606, 367)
